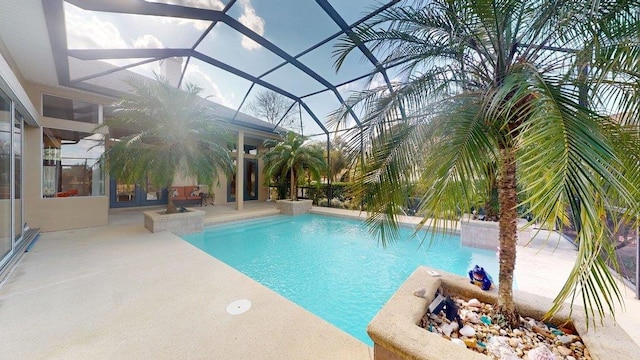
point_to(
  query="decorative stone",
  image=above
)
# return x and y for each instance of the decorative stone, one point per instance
(470, 342)
(499, 347)
(449, 328)
(544, 332)
(475, 303)
(532, 338)
(541, 353)
(566, 339)
(467, 331)
(421, 293)
(564, 351)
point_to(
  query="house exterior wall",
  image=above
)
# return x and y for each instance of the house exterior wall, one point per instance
(52, 214)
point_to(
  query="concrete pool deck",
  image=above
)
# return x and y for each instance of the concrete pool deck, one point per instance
(120, 292)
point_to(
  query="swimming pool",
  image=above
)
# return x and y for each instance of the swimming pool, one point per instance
(332, 266)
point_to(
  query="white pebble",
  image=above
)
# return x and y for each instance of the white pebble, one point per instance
(467, 331)
(474, 303)
(541, 353)
(449, 328)
(499, 347)
(565, 339)
(564, 351)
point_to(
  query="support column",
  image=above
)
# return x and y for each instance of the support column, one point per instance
(240, 171)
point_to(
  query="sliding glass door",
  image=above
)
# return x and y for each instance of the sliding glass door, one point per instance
(18, 223)
(6, 243)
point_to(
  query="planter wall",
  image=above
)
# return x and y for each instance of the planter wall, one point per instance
(288, 207)
(484, 234)
(396, 335)
(183, 223)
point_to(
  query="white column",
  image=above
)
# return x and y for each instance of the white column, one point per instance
(240, 171)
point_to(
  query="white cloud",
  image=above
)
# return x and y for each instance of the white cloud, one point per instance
(85, 31)
(250, 19)
(202, 4)
(201, 78)
(147, 41)
(200, 25)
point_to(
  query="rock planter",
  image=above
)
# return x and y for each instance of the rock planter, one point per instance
(484, 234)
(189, 222)
(396, 335)
(290, 207)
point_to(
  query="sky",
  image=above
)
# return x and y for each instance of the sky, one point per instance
(292, 25)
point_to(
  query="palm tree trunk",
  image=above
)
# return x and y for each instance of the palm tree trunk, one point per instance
(508, 236)
(171, 206)
(293, 186)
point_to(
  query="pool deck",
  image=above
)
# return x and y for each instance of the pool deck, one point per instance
(120, 292)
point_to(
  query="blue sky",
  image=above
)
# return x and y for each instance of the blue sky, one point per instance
(292, 25)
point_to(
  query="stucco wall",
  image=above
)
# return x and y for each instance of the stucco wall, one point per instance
(50, 214)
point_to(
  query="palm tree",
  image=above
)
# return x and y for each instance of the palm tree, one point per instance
(168, 133)
(521, 84)
(291, 156)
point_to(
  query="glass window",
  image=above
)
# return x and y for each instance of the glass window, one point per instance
(251, 149)
(5, 175)
(17, 172)
(67, 109)
(70, 163)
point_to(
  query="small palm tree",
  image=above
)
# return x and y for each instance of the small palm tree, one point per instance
(169, 133)
(291, 156)
(507, 83)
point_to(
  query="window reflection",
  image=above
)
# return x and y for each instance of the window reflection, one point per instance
(70, 163)
(68, 109)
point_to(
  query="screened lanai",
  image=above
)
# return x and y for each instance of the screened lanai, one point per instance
(233, 49)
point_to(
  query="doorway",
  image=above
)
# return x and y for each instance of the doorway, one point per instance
(250, 191)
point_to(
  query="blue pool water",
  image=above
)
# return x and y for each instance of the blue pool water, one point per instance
(332, 266)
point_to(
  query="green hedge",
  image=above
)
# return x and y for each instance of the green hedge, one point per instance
(317, 192)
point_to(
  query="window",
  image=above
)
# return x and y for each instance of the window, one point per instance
(5, 175)
(67, 109)
(70, 163)
(251, 149)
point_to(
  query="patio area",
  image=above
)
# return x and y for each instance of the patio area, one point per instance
(118, 291)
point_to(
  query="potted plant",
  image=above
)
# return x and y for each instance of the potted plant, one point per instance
(506, 82)
(164, 133)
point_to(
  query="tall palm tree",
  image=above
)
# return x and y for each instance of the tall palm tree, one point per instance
(291, 156)
(168, 132)
(517, 83)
